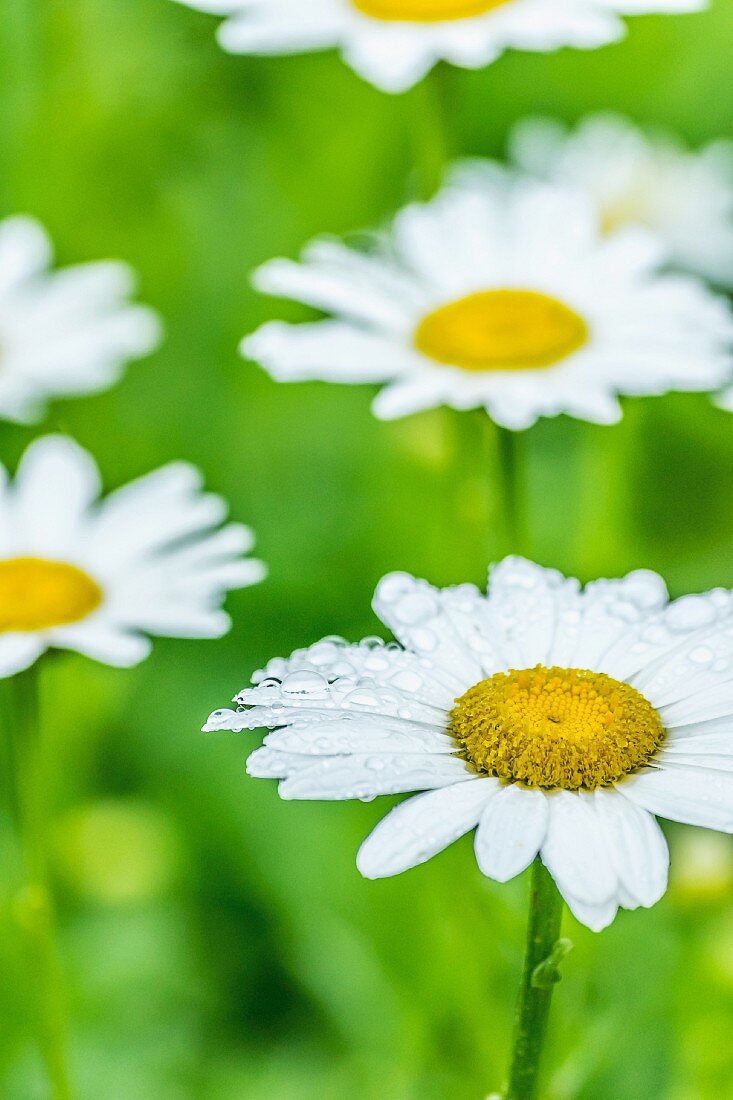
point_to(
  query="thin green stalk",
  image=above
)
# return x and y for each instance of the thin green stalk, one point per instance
(34, 905)
(543, 955)
(429, 133)
(511, 479)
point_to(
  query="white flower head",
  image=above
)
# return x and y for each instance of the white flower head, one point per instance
(97, 576)
(62, 333)
(685, 197)
(500, 293)
(394, 43)
(552, 720)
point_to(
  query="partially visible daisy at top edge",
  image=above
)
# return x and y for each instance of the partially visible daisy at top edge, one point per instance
(394, 43)
(100, 576)
(685, 196)
(503, 293)
(550, 719)
(62, 333)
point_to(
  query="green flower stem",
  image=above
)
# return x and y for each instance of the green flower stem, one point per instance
(34, 904)
(511, 480)
(544, 953)
(428, 133)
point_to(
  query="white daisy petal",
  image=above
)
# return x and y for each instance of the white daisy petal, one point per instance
(522, 607)
(366, 776)
(309, 696)
(267, 763)
(103, 642)
(62, 333)
(334, 659)
(637, 848)
(422, 826)
(590, 624)
(694, 796)
(715, 735)
(324, 350)
(511, 831)
(647, 645)
(501, 293)
(18, 652)
(25, 252)
(56, 484)
(336, 279)
(701, 662)
(722, 761)
(715, 702)
(362, 735)
(393, 44)
(416, 614)
(575, 851)
(595, 917)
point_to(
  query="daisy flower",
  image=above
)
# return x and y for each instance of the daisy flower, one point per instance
(394, 43)
(503, 294)
(552, 720)
(99, 576)
(62, 333)
(685, 197)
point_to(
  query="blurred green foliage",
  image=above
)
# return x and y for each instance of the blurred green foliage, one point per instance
(217, 942)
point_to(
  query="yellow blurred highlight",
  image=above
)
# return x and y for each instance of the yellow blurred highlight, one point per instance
(31, 906)
(702, 866)
(117, 851)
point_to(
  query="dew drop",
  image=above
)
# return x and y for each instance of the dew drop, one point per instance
(304, 683)
(416, 608)
(407, 681)
(689, 613)
(701, 655)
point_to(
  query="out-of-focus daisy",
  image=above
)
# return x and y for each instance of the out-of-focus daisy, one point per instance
(99, 576)
(685, 197)
(394, 43)
(499, 294)
(553, 720)
(62, 333)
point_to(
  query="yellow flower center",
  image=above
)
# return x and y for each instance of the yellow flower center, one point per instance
(425, 11)
(36, 594)
(556, 727)
(501, 330)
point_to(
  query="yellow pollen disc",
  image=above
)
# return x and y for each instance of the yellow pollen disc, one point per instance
(36, 594)
(501, 330)
(425, 11)
(556, 727)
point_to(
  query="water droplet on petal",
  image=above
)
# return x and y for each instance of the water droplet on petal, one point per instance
(407, 680)
(304, 683)
(701, 655)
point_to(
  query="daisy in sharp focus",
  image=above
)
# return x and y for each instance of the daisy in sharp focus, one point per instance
(394, 43)
(552, 720)
(504, 294)
(685, 197)
(99, 576)
(62, 333)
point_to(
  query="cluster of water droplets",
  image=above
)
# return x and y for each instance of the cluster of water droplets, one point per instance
(349, 721)
(449, 625)
(522, 610)
(693, 673)
(333, 680)
(366, 776)
(591, 621)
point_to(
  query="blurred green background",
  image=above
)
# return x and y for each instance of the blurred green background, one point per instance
(218, 943)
